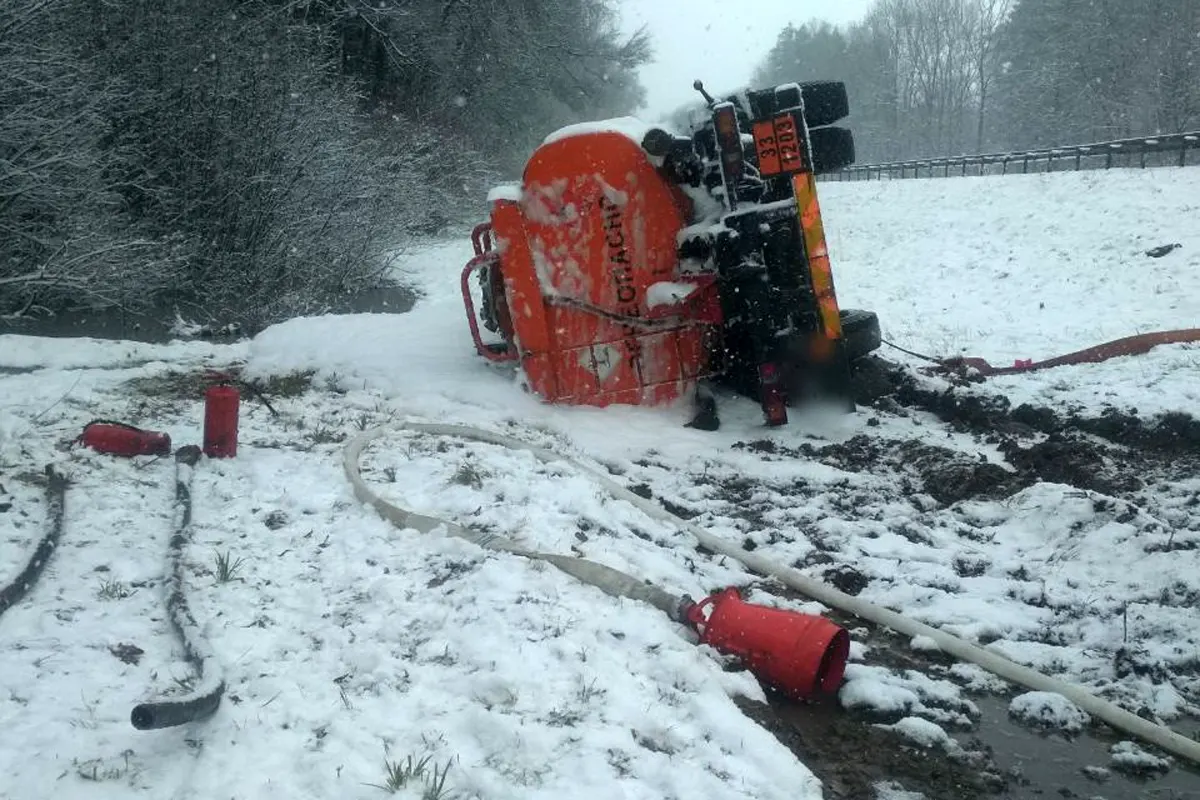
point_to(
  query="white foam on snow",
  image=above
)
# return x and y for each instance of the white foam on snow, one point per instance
(1020, 267)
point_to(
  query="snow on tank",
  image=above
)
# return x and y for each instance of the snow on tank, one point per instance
(510, 190)
(632, 127)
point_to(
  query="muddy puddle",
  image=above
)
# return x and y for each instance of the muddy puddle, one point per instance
(999, 759)
(852, 757)
(1007, 761)
(1051, 765)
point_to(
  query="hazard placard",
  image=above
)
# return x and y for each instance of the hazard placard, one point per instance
(779, 146)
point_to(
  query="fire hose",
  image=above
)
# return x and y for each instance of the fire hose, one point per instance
(610, 581)
(56, 494)
(617, 583)
(801, 655)
(1126, 346)
(204, 697)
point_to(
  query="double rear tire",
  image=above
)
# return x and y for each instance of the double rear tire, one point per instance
(826, 102)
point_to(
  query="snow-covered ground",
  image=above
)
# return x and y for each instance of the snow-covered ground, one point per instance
(1030, 267)
(347, 643)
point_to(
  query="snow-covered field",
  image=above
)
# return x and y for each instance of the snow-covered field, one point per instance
(347, 643)
(1030, 267)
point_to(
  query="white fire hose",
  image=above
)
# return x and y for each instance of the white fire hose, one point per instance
(617, 583)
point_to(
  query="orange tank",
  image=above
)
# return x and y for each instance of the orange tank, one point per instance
(581, 267)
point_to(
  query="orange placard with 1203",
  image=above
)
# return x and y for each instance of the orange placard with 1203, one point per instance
(778, 145)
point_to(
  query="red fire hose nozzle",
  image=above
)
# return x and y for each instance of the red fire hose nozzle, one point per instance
(801, 655)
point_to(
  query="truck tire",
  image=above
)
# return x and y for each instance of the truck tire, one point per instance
(832, 149)
(860, 332)
(825, 102)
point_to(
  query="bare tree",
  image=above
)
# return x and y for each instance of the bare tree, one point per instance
(933, 44)
(1120, 69)
(913, 69)
(1175, 79)
(985, 45)
(938, 77)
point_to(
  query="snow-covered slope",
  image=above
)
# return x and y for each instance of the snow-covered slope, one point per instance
(1029, 267)
(346, 642)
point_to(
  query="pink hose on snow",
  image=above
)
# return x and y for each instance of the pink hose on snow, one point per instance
(1128, 346)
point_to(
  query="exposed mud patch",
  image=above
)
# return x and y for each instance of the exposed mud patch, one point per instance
(1107, 454)
(175, 385)
(851, 756)
(846, 578)
(967, 408)
(946, 475)
(1059, 459)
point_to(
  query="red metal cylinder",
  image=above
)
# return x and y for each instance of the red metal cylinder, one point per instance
(801, 655)
(221, 421)
(118, 439)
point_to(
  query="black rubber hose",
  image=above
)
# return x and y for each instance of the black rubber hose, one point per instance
(205, 698)
(56, 496)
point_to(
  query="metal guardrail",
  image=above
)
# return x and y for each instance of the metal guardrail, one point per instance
(1169, 150)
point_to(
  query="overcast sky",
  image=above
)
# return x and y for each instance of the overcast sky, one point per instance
(718, 41)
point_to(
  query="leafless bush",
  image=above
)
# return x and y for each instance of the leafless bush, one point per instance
(58, 239)
(249, 160)
(245, 145)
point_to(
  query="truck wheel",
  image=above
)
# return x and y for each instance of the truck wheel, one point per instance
(825, 102)
(832, 149)
(860, 332)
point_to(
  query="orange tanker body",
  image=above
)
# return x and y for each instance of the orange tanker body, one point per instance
(630, 263)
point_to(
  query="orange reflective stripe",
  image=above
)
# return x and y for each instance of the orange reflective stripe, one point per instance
(805, 188)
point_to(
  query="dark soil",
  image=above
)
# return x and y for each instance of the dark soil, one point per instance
(946, 475)
(846, 578)
(191, 386)
(967, 408)
(154, 325)
(1060, 459)
(1106, 454)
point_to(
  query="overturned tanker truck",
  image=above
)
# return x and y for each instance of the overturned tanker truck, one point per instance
(644, 264)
